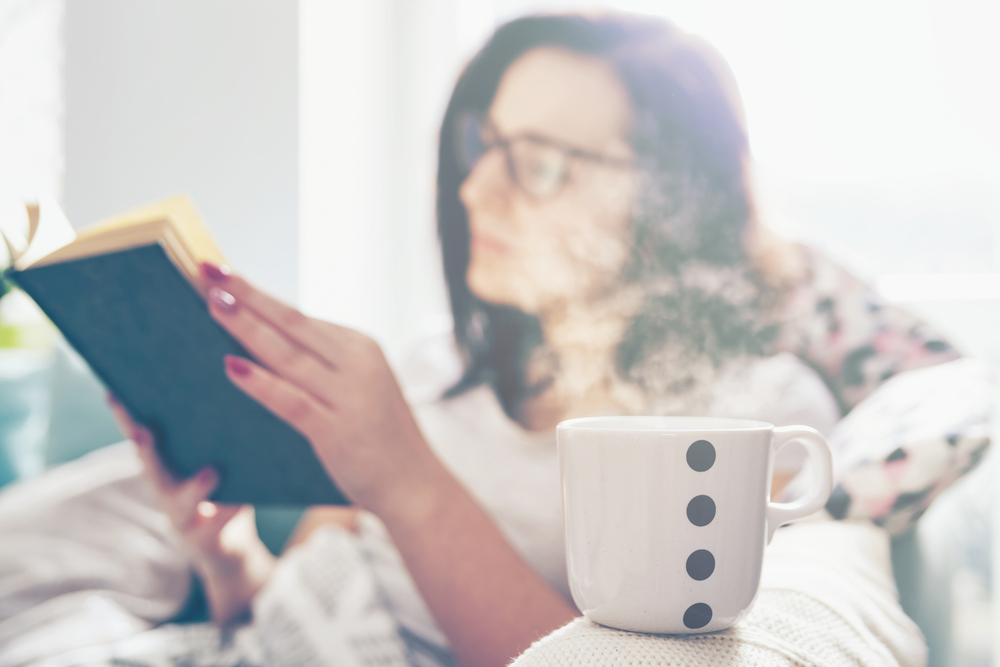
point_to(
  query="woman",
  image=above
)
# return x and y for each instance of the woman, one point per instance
(603, 255)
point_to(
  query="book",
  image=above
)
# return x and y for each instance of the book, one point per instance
(127, 295)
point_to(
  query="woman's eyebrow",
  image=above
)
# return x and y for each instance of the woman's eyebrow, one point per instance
(569, 147)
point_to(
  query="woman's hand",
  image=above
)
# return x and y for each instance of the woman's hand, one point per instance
(334, 386)
(227, 552)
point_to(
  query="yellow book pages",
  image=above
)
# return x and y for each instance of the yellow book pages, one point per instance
(183, 218)
(158, 230)
(173, 223)
(124, 237)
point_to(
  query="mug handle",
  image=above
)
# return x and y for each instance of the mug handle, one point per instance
(818, 493)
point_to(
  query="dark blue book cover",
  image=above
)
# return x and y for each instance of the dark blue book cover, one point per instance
(147, 333)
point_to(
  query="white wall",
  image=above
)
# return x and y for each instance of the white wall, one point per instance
(31, 101)
(374, 80)
(196, 96)
(305, 132)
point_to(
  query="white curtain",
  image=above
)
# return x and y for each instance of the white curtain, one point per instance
(374, 79)
(31, 102)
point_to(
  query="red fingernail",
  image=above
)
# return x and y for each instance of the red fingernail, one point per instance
(223, 300)
(238, 366)
(217, 272)
(207, 477)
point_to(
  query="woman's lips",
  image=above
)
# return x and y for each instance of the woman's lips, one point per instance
(486, 243)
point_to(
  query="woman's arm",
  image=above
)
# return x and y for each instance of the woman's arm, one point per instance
(335, 386)
(490, 604)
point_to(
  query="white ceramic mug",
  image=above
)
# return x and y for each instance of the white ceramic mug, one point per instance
(667, 517)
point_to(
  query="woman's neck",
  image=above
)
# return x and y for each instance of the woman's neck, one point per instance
(582, 341)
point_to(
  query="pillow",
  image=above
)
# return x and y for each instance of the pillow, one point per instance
(909, 440)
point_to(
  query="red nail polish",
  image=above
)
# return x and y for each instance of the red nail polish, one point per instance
(223, 300)
(207, 477)
(219, 273)
(238, 366)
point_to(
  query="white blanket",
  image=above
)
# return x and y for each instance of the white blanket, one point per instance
(89, 569)
(85, 558)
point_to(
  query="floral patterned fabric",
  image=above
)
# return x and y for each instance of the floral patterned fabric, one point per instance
(850, 335)
(906, 436)
(909, 441)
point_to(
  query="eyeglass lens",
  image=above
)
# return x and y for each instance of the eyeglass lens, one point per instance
(539, 169)
(536, 167)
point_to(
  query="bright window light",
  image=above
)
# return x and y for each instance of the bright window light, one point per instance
(940, 287)
(858, 89)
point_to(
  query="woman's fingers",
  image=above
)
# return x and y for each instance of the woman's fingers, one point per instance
(164, 482)
(166, 486)
(208, 521)
(213, 516)
(272, 348)
(288, 401)
(121, 416)
(189, 494)
(301, 330)
(179, 499)
(145, 445)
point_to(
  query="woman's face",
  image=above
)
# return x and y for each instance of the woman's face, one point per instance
(567, 248)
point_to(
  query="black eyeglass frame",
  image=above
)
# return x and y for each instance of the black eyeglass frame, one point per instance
(469, 121)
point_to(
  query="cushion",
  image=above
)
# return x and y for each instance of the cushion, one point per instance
(910, 440)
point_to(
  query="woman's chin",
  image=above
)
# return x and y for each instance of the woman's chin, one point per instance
(500, 290)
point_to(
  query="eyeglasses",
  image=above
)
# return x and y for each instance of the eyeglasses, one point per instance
(539, 166)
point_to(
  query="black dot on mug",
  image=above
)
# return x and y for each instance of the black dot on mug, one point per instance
(701, 455)
(701, 564)
(701, 510)
(697, 615)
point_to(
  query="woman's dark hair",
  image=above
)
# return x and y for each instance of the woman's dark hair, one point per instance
(694, 215)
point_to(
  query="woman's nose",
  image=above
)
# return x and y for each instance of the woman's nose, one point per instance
(488, 184)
